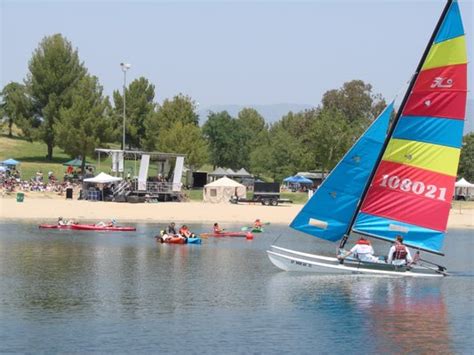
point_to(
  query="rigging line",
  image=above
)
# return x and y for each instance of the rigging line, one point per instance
(397, 117)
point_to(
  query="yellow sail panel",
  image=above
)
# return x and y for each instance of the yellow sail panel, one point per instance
(433, 157)
(446, 53)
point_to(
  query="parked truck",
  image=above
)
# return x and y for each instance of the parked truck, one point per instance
(266, 193)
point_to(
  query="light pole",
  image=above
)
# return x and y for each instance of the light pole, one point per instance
(125, 67)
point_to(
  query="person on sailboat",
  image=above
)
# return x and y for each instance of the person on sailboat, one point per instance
(399, 253)
(362, 250)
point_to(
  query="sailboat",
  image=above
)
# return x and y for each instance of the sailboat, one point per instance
(400, 182)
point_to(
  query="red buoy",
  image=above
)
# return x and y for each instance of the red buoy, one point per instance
(249, 236)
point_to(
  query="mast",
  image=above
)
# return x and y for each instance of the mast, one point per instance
(397, 118)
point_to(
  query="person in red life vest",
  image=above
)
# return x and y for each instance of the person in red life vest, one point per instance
(399, 253)
(257, 224)
(185, 232)
(216, 229)
(362, 250)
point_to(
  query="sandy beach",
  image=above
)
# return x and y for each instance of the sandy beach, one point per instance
(48, 209)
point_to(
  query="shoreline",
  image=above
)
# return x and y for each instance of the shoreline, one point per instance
(48, 210)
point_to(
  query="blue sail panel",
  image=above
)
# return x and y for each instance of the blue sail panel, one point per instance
(329, 212)
(388, 229)
(452, 25)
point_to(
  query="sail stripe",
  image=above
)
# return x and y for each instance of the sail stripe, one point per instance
(452, 25)
(434, 130)
(437, 158)
(450, 104)
(388, 229)
(449, 52)
(448, 78)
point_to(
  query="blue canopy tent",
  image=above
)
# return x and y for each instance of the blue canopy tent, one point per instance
(10, 162)
(298, 180)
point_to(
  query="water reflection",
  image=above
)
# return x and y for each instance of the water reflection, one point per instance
(381, 315)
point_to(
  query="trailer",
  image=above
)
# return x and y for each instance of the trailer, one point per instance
(266, 193)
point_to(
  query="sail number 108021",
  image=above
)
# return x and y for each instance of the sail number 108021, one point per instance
(417, 187)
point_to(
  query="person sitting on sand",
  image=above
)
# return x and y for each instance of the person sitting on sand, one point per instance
(257, 224)
(362, 250)
(217, 229)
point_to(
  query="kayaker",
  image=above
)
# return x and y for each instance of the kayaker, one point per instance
(61, 221)
(171, 229)
(111, 223)
(185, 232)
(216, 229)
(257, 224)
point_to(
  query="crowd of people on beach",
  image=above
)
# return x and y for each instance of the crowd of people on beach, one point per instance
(11, 182)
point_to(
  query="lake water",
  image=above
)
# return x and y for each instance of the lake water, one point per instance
(67, 291)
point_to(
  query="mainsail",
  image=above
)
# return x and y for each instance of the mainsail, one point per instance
(328, 213)
(411, 191)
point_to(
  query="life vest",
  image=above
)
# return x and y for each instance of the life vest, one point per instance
(400, 252)
(363, 242)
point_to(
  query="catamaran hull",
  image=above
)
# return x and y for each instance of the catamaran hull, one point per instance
(291, 260)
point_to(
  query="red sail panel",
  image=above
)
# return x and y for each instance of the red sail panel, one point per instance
(437, 104)
(410, 195)
(449, 78)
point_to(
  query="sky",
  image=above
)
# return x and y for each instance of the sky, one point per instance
(224, 52)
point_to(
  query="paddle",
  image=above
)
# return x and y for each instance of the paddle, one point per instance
(250, 228)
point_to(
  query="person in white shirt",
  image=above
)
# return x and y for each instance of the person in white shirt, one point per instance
(362, 250)
(399, 253)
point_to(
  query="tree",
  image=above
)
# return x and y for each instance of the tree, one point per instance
(331, 135)
(139, 107)
(85, 125)
(15, 106)
(186, 139)
(250, 123)
(180, 109)
(355, 100)
(223, 135)
(55, 70)
(466, 162)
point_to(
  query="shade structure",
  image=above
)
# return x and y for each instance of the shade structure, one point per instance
(10, 162)
(75, 162)
(463, 183)
(298, 180)
(222, 190)
(103, 178)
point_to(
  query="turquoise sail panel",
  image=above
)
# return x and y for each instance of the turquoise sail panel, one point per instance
(452, 24)
(329, 212)
(388, 229)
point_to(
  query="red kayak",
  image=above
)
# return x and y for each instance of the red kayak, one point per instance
(92, 227)
(173, 240)
(246, 235)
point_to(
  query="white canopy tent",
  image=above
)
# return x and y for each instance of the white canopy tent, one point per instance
(464, 189)
(222, 190)
(103, 178)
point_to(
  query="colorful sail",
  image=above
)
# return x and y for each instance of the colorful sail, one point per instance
(328, 213)
(411, 192)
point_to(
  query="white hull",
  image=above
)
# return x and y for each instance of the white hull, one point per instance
(291, 260)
